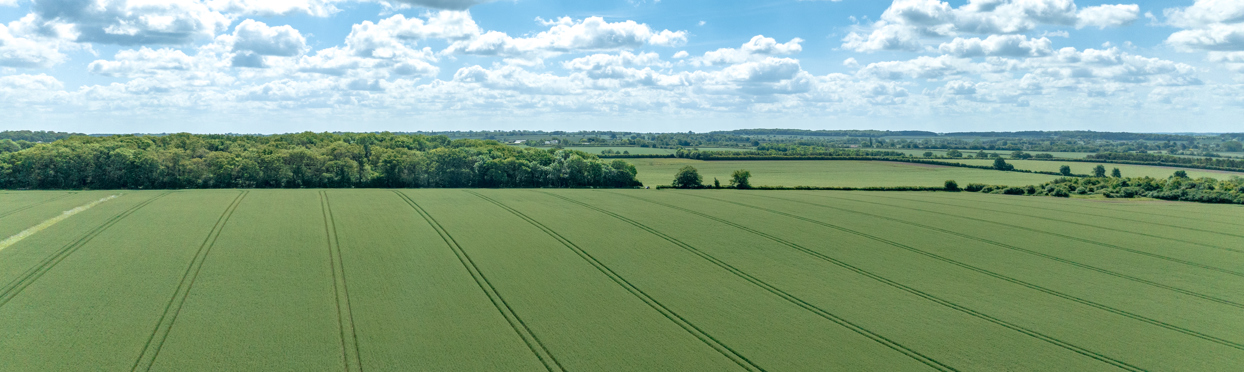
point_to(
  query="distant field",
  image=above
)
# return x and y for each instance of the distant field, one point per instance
(632, 280)
(1127, 170)
(643, 150)
(1003, 153)
(830, 173)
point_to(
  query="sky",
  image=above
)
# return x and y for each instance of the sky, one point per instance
(278, 66)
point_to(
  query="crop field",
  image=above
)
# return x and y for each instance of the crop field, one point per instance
(1128, 170)
(1004, 153)
(517, 280)
(838, 173)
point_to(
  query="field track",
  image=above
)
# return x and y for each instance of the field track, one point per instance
(572, 280)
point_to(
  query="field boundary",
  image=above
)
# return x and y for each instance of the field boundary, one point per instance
(1022, 283)
(16, 286)
(35, 204)
(683, 323)
(1032, 252)
(916, 355)
(1096, 226)
(890, 282)
(162, 329)
(1130, 220)
(350, 355)
(1082, 240)
(541, 352)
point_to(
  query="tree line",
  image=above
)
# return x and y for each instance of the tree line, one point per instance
(322, 160)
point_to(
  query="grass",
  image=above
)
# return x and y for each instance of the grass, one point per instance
(1128, 170)
(829, 173)
(620, 280)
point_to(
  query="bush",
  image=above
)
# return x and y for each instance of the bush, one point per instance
(928, 154)
(1030, 190)
(974, 187)
(951, 185)
(1060, 192)
(1014, 191)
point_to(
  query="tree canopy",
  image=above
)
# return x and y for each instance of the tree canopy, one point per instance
(301, 160)
(688, 178)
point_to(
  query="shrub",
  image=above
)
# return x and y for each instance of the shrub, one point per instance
(1014, 191)
(951, 185)
(974, 187)
(1060, 193)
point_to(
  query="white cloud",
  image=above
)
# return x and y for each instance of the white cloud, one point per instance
(258, 38)
(567, 35)
(30, 82)
(1108, 15)
(143, 62)
(444, 4)
(1204, 13)
(270, 8)
(26, 53)
(998, 45)
(906, 22)
(758, 48)
(128, 22)
(1215, 37)
(8, 2)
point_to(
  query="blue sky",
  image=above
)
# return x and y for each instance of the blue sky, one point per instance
(272, 66)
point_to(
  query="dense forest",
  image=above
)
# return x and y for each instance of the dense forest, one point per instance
(300, 160)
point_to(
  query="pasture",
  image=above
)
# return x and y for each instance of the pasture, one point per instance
(839, 173)
(1128, 170)
(530, 280)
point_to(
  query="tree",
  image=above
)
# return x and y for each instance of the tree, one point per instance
(1065, 170)
(1233, 146)
(954, 154)
(716, 183)
(1116, 173)
(928, 154)
(951, 185)
(688, 178)
(1181, 174)
(740, 179)
(1099, 171)
(981, 154)
(1000, 164)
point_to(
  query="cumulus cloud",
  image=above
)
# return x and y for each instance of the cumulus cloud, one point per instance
(906, 22)
(270, 8)
(30, 82)
(128, 22)
(568, 35)
(1204, 13)
(142, 62)
(758, 48)
(998, 45)
(258, 38)
(1110, 15)
(444, 4)
(26, 53)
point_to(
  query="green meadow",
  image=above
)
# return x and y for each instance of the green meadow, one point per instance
(838, 173)
(629, 280)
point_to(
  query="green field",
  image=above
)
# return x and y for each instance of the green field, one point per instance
(1128, 170)
(1003, 153)
(838, 173)
(515, 280)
